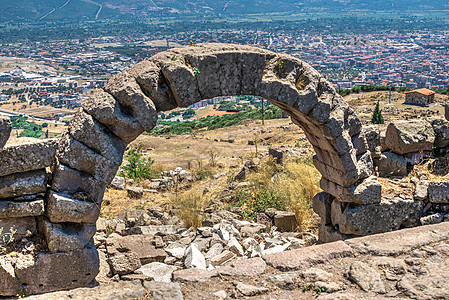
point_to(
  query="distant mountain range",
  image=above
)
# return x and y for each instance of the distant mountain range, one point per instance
(32, 10)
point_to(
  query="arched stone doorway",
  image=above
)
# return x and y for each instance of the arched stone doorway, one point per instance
(91, 151)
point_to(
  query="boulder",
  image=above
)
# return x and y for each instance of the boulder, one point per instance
(20, 209)
(5, 130)
(23, 227)
(124, 263)
(157, 271)
(20, 184)
(421, 190)
(438, 192)
(222, 258)
(27, 157)
(251, 290)
(118, 183)
(441, 129)
(372, 135)
(61, 208)
(142, 245)
(163, 290)
(392, 164)
(65, 237)
(410, 136)
(134, 192)
(194, 258)
(285, 221)
(380, 217)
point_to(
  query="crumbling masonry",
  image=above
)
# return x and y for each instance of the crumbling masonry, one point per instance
(63, 205)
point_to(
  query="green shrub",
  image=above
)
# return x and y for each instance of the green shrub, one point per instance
(138, 168)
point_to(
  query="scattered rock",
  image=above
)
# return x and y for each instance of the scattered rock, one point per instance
(285, 221)
(194, 258)
(124, 263)
(366, 277)
(285, 281)
(134, 192)
(118, 183)
(250, 290)
(157, 271)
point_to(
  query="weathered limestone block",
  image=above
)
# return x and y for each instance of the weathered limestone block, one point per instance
(80, 157)
(438, 192)
(5, 130)
(285, 221)
(24, 227)
(108, 111)
(65, 237)
(421, 190)
(381, 217)
(20, 184)
(367, 191)
(446, 111)
(59, 271)
(97, 137)
(390, 163)
(67, 180)
(142, 245)
(124, 263)
(441, 129)
(328, 234)
(125, 89)
(14, 209)
(9, 284)
(365, 165)
(360, 143)
(61, 208)
(372, 135)
(27, 157)
(336, 175)
(322, 206)
(152, 82)
(410, 136)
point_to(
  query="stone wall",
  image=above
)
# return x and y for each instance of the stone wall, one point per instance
(414, 201)
(418, 98)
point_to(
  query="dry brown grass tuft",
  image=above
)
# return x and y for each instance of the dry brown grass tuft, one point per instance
(190, 205)
(294, 184)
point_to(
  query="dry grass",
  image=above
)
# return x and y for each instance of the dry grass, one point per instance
(190, 205)
(294, 184)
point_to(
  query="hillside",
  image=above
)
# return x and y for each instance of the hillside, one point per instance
(34, 10)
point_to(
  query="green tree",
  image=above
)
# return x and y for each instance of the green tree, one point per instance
(138, 168)
(377, 115)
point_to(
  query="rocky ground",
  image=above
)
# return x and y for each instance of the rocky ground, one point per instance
(406, 264)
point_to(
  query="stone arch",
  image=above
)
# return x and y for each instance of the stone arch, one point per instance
(91, 151)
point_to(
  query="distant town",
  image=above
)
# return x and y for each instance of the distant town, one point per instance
(61, 73)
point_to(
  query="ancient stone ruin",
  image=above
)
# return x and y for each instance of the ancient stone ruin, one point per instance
(54, 189)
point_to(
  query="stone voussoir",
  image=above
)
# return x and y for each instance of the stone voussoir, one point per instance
(85, 129)
(70, 181)
(108, 111)
(80, 157)
(125, 89)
